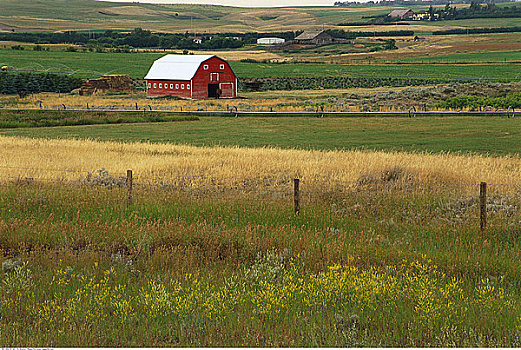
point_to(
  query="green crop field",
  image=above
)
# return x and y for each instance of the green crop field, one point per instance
(137, 65)
(471, 57)
(485, 135)
(81, 63)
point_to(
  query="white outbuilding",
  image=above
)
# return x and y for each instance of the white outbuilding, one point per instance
(270, 41)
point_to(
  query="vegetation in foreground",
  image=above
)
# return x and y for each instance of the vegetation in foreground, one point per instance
(385, 252)
(182, 267)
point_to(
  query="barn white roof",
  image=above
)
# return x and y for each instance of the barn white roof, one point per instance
(176, 67)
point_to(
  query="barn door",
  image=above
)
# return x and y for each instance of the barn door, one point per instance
(214, 91)
(227, 89)
(214, 76)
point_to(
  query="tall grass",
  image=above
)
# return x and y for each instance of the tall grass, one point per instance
(211, 253)
(178, 269)
(156, 162)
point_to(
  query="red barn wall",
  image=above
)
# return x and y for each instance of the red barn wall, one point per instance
(180, 88)
(224, 77)
(217, 71)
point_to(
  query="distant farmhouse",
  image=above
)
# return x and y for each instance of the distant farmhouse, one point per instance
(191, 76)
(196, 39)
(270, 41)
(314, 38)
(402, 14)
(415, 16)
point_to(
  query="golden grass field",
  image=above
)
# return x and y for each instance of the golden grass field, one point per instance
(262, 101)
(22, 157)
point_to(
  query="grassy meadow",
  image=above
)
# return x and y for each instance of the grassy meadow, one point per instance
(481, 135)
(210, 252)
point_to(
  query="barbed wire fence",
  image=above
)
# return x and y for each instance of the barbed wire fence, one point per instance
(388, 200)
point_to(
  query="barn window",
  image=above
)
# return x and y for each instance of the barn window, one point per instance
(149, 85)
(221, 66)
(188, 86)
(160, 85)
(171, 86)
(182, 86)
(177, 86)
(155, 85)
(205, 67)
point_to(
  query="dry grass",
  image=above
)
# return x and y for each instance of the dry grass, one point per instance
(170, 161)
(318, 93)
(237, 55)
(262, 101)
(280, 101)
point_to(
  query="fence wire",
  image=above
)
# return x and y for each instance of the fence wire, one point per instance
(386, 202)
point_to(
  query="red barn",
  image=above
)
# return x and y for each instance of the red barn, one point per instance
(191, 76)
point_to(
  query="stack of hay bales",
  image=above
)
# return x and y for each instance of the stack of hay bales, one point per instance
(113, 82)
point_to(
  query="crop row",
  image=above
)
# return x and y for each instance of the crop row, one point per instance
(336, 83)
(509, 100)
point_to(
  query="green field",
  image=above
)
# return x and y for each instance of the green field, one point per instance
(137, 65)
(485, 135)
(470, 57)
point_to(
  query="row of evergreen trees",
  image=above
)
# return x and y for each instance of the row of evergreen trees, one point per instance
(27, 83)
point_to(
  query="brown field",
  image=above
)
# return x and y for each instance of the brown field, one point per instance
(237, 55)
(433, 46)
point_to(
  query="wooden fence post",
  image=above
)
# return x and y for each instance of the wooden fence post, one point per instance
(296, 195)
(129, 186)
(483, 206)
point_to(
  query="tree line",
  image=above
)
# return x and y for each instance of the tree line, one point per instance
(29, 82)
(339, 33)
(141, 38)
